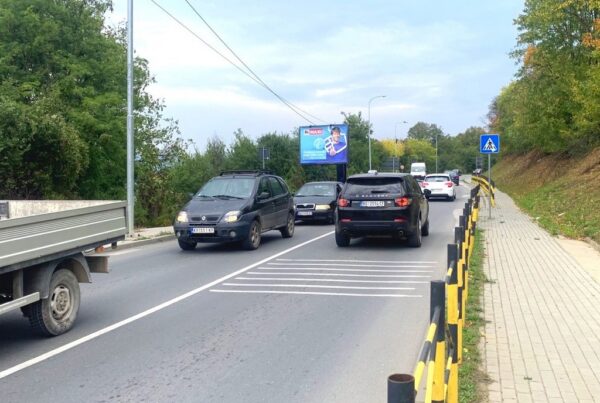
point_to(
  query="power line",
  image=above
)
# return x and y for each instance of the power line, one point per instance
(285, 101)
(229, 61)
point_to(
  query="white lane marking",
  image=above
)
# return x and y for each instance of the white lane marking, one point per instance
(318, 293)
(317, 286)
(354, 261)
(330, 280)
(344, 265)
(341, 275)
(352, 270)
(75, 343)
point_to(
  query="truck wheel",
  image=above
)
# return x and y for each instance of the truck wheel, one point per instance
(414, 239)
(252, 241)
(288, 230)
(184, 245)
(57, 313)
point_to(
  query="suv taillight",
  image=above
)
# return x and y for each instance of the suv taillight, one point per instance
(343, 202)
(402, 201)
(449, 184)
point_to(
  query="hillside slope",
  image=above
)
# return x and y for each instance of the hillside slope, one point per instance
(561, 192)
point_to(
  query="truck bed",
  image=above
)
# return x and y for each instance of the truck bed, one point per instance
(42, 230)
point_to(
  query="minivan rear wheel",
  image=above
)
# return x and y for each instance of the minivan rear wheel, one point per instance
(288, 230)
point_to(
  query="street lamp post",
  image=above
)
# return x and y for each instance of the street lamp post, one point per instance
(396, 145)
(436, 153)
(369, 125)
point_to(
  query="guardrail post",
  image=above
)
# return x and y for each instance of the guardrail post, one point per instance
(438, 299)
(401, 388)
(458, 236)
(453, 303)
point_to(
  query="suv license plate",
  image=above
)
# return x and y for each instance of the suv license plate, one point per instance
(372, 203)
(203, 230)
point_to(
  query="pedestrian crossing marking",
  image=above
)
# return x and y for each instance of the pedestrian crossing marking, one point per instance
(490, 146)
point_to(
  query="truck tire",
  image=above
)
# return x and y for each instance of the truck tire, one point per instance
(57, 313)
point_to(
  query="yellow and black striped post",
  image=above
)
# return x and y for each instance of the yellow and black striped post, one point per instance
(458, 235)
(452, 297)
(438, 301)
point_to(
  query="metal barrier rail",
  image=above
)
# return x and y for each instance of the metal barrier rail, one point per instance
(486, 186)
(441, 352)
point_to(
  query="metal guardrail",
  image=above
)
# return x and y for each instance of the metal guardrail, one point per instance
(441, 352)
(486, 186)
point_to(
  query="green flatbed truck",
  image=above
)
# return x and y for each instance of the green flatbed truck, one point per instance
(47, 249)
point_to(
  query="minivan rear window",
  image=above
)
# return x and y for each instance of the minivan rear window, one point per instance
(372, 186)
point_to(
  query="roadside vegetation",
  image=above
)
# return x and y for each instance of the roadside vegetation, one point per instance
(472, 380)
(557, 191)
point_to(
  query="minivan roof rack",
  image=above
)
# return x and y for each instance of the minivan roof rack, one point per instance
(254, 172)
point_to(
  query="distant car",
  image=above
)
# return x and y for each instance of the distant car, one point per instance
(477, 171)
(418, 170)
(440, 185)
(454, 176)
(316, 201)
(382, 204)
(236, 206)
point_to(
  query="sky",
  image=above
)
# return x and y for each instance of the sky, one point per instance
(439, 62)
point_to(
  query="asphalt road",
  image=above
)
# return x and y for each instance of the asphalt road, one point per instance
(298, 320)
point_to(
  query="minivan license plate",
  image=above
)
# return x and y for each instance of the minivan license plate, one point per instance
(372, 203)
(203, 230)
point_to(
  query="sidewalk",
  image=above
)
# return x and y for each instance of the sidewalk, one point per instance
(542, 312)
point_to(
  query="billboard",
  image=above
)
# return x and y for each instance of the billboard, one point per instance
(327, 144)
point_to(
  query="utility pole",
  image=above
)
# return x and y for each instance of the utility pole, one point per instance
(130, 133)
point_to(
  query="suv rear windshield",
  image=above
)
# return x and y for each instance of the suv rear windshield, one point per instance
(437, 178)
(228, 187)
(372, 186)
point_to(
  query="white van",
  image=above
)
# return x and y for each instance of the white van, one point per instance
(418, 170)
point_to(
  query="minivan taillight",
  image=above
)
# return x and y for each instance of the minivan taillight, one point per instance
(402, 201)
(343, 202)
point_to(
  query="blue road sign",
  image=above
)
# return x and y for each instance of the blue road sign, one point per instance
(489, 143)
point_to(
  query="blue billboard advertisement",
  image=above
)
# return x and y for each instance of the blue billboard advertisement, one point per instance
(327, 144)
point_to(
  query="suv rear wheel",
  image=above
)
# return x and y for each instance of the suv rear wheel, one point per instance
(414, 239)
(252, 241)
(342, 239)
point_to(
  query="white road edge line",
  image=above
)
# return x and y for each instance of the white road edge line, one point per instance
(75, 343)
(335, 294)
(344, 287)
(357, 261)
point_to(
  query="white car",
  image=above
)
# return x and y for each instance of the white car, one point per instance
(440, 185)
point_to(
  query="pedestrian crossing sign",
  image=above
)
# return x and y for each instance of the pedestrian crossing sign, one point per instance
(489, 144)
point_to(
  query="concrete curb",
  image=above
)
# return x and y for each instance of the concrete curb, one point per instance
(142, 242)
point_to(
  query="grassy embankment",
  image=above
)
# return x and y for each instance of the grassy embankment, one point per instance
(562, 193)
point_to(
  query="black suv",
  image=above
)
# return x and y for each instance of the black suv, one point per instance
(236, 206)
(382, 204)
